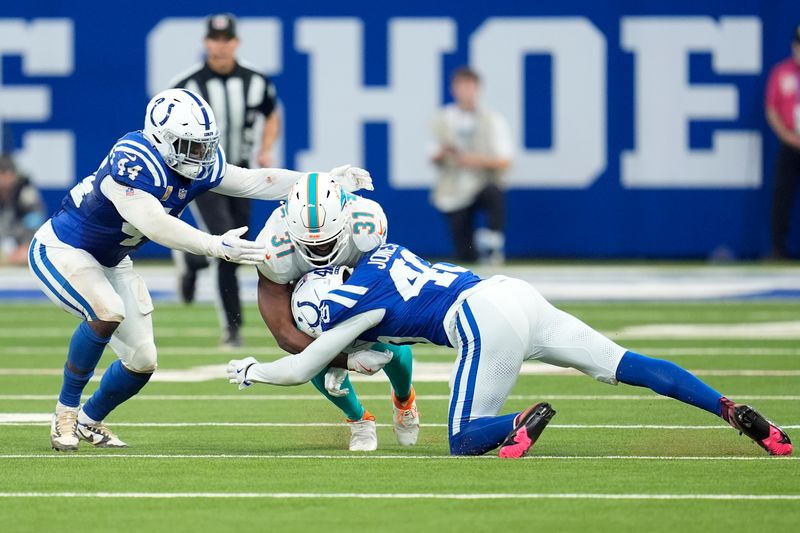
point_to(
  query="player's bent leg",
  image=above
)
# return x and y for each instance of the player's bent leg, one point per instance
(77, 283)
(363, 431)
(490, 357)
(405, 416)
(134, 344)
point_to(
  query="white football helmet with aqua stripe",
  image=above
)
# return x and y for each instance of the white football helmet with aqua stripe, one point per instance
(317, 218)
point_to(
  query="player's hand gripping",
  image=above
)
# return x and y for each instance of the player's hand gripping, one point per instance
(352, 178)
(231, 247)
(368, 362)
(334, 378)
(237, 371)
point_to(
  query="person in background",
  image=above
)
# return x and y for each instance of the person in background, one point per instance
(782, 105)
(21, 213)
(238, 95)
(473, 149)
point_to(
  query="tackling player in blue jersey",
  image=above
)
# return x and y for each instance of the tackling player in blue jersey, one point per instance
(80, 256)
(393, 296)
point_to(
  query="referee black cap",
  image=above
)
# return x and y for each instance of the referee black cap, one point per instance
(221, 25)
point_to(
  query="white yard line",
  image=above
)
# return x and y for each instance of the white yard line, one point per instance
(227, 456)
(401, 495)
(43, 419)
(245, 397)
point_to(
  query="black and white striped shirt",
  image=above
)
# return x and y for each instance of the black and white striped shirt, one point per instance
(237, 99)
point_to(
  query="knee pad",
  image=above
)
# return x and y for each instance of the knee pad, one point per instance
(143, 359)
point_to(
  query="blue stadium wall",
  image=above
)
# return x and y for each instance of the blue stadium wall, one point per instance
(604, 168)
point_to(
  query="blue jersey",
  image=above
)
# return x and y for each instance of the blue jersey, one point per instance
(415, 294)
(89, 221)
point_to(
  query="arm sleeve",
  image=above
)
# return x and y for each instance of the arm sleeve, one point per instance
(145, 213)
(299, 368)
(257, 183)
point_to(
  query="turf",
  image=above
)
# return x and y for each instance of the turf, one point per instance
(298, 477)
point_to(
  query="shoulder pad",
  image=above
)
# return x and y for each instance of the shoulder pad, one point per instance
(369, 226)
(135, 163)
(281, 265)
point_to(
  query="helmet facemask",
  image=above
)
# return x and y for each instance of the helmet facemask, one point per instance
(190, 157)
(321, 253)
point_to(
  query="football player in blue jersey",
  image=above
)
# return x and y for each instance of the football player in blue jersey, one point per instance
(80, 256)
(495, 324)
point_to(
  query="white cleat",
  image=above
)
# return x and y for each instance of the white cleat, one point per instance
(100, 436)
(63, 431)
(363, 434)
(405, 418)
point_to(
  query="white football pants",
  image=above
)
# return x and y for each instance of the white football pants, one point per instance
(503, 322)
(76, 282)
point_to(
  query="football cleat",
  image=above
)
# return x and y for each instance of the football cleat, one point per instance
(405, 418)
(765, 433)
(363, 434)
(100, 436)
(63, 431)
(528, 425)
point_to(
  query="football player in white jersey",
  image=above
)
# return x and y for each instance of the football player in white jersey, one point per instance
(80, 256)
(319, 225)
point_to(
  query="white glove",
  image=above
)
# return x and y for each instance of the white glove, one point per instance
(237, 371)
(334, 378)
(368, 362)
(231, 247)
(352, 178)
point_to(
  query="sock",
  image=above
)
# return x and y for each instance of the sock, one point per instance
(350, 405)
(118, 384)
(85, 350)
(668, 379)
(398, 370)
(481, 435)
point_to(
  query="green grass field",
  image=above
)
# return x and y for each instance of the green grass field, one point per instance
(206, 457)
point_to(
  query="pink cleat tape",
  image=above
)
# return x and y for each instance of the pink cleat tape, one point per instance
(775, 444)
(523, 444)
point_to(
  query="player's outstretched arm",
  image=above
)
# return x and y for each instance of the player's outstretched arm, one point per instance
(275, 183)
(257, 183)
(300, 368)
(145, 213)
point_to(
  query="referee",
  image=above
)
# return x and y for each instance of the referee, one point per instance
(238, 95)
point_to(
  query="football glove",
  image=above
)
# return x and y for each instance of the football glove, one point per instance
(334, 378)
(352, 178)
(368, 362)
(231, 247)
(237, 371)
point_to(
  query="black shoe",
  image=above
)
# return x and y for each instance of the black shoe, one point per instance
(747, 420)
(529, 425)
(188, 283)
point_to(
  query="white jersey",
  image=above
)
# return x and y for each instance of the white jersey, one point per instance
(368, 229)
